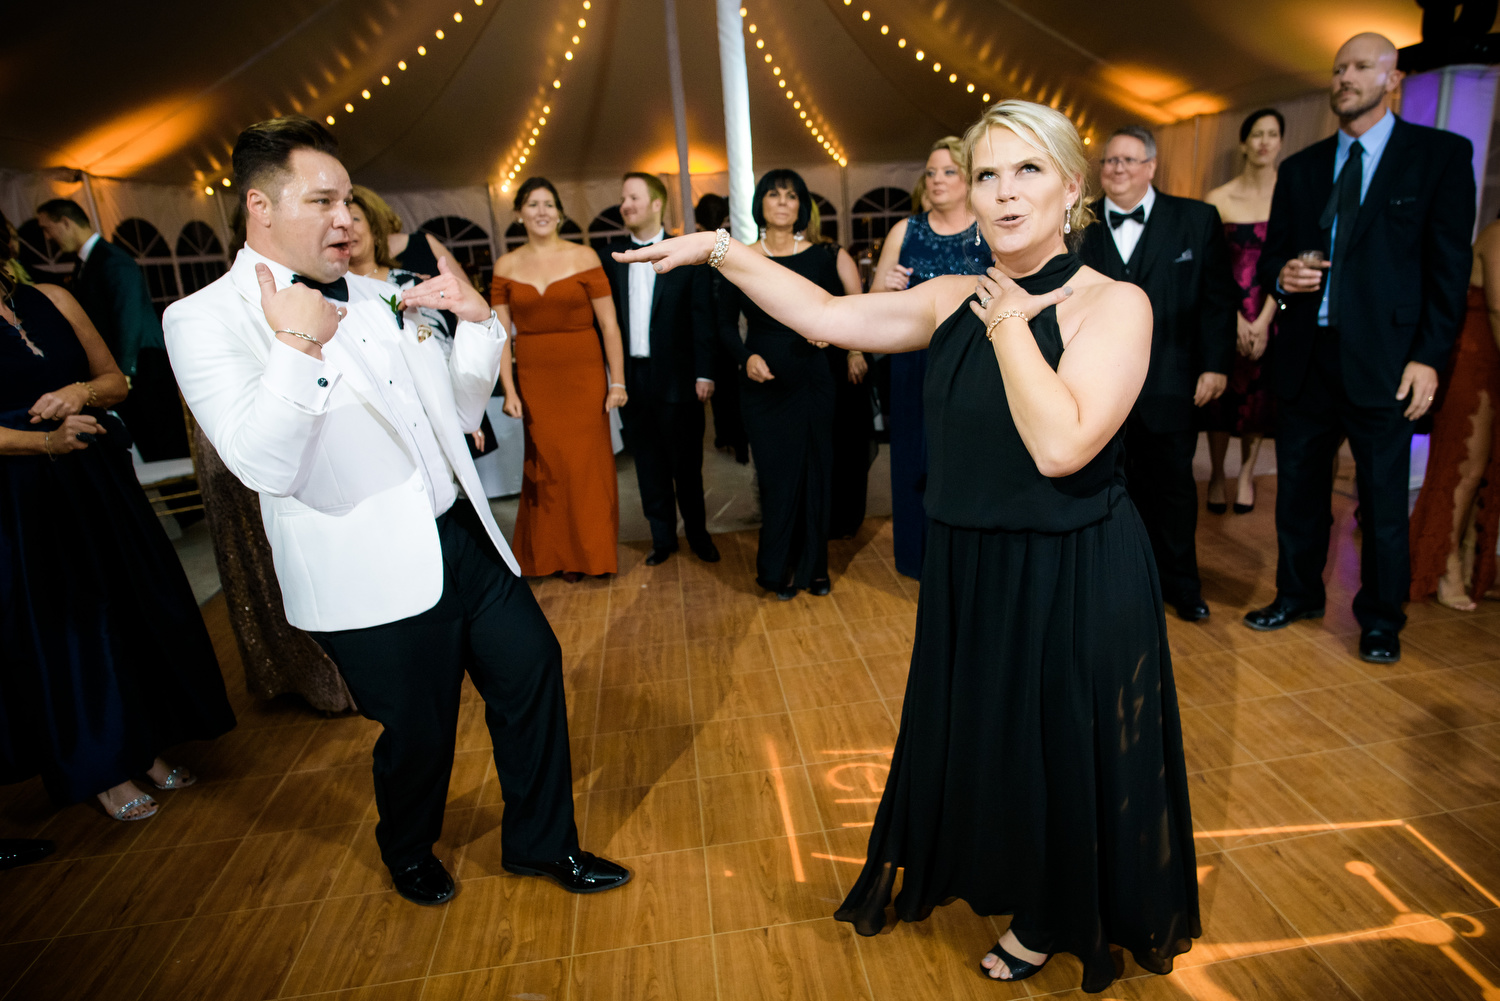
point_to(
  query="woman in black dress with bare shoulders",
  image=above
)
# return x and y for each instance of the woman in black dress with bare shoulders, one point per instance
(1039, 770)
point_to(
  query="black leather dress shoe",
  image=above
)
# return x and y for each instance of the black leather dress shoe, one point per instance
(705, 550)
(820, 586)
(1380, 646)
(658, 556)
(20, 851)
(581, 872)
(425, 883)
(1191, 611)
(1279, 614)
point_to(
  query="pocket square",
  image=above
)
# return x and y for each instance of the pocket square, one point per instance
(1186, 255)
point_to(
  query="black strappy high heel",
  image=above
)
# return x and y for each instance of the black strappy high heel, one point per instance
(1019, 968)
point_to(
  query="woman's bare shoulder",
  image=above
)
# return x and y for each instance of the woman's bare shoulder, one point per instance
(1100, 293)
(585, 258)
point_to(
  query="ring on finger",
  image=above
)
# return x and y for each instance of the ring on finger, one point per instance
(984, 301)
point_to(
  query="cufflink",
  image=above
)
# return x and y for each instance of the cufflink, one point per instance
(322, 382)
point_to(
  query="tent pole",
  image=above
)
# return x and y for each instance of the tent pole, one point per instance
(679, 115)
(736, 81)
(225, 230)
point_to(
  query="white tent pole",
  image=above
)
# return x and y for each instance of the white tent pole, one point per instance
(736, 79)
(679, 115)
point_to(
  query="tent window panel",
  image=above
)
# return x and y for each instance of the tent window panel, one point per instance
(468, 242)
(828, 218)
(873, 215)
(144, 242)
(41, 257)
(607, 227)
(200, 257)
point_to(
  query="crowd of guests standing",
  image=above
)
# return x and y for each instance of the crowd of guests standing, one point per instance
(1059, 354)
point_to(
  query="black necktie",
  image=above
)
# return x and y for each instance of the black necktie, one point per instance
(1115, 218)
(338, 289)
(1343, 205)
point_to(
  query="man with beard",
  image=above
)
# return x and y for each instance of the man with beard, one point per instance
(1368, 250)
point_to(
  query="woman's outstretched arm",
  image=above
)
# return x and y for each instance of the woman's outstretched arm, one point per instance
(900, 321)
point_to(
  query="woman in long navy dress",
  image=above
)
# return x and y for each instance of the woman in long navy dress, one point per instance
(1039, 770)
(106, 658)
(941, 241)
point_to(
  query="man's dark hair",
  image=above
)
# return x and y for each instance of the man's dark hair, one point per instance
(1255, 116)
(530, 185)
(59, 209)
(775, 180)
(262, 150)
(711, 212)
(656, 190)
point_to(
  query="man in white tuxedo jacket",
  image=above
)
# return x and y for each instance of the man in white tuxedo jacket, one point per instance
(324, 394)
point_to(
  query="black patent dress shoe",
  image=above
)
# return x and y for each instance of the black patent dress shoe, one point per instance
(705, 550)
(659, 555)
(1279, 614)
(820, 587)
(426, 883)
(1380, 646)
(1191, 611)
(580, 872)
(20, 851)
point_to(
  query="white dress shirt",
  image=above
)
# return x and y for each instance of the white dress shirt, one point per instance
(642, 279)
(398, 393)
(1128, 234)
(87, 248)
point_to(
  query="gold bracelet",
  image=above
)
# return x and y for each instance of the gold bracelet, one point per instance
(306, 337)
(93, 399)
(47, 445)
(989, 331)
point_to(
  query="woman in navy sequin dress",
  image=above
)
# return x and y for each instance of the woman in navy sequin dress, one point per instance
(944, 241)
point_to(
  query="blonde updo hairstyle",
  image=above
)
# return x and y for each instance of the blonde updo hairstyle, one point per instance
(1050, 133)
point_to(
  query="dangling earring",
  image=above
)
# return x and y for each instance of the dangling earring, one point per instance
(1067, 219)
(977, 240)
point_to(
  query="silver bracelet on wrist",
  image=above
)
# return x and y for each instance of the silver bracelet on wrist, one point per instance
(616, 385)
(721, 248)
(306, 337)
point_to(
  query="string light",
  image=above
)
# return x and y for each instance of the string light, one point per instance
(815, 129)
(531, 131)
(971, 87)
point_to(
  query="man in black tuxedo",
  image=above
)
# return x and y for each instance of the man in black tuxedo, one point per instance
(111, 288)
(667, 323)
(1174, 249)
(1390, 206)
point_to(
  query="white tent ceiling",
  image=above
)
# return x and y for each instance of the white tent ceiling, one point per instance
(157, 92)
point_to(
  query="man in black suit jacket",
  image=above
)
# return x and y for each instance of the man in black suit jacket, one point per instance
(1174, 249)
(667, 324)
(1390, 205)
(111, 288)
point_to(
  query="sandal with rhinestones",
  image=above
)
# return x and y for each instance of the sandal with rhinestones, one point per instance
(177, 778)
(143, 800)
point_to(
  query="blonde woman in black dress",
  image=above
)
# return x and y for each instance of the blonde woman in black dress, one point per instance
(1039, 769)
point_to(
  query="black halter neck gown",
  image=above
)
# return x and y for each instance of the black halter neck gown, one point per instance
(1039, 767)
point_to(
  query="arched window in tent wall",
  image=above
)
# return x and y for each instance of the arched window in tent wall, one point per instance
(468, 242)
(144, 242)
(607, 227)
(40, 256)
(200, 256)
(873, 215)
(828, 218)
(515, 235)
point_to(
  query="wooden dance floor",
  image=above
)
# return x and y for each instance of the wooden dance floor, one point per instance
(730, 749)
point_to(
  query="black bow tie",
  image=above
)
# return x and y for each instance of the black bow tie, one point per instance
(333, 290)
(1115, 218)
(636, 244)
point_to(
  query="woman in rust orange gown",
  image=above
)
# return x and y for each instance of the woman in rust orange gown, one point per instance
(1454, 524)
(569, 519)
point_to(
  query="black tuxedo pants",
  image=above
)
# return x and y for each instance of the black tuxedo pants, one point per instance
(666, 441)
(407, 676)
(1308, 433)
(1159, 476)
